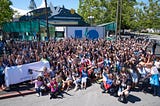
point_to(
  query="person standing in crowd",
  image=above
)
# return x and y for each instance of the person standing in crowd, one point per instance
(84, 76)
(52, 72)
(133, 72)
(77, 79)
(143, 80)
(5, 60)
(154, 81)
(46, 75)
(2, 76)
(154, 47)
(157, 63)
(19, 60)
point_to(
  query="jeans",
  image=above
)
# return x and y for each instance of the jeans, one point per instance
(38, 90)
(145, 84)
(156, 90)
(159, 91)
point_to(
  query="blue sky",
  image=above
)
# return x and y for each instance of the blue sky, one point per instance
(23, 4)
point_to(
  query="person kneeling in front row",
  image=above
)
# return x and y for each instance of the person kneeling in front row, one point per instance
(53, 85)
(124, 89)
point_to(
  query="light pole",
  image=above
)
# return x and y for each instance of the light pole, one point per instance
(117, 15)
(30, 20)
(118, 18)
(48, 35)
(91, 19)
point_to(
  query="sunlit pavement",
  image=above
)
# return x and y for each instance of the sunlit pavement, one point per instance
(92, 96)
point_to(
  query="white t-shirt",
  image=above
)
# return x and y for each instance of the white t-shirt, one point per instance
(154, 70)
(157, 64)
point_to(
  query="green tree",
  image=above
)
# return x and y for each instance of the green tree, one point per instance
(105, 11)
(148, 15)
(135, 15)
(128, 14)
(101, 10)
(152, 12)
(139, 14)
(6, 12)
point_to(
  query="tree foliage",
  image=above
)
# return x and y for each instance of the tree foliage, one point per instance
(6, 12)
(148, 15)
(105, 10)
(135, 15)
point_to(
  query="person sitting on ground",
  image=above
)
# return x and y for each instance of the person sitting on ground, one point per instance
(124, 87)
(69, 80)
(107, 80)
(53, 85)
(59, 80)
(38, 85)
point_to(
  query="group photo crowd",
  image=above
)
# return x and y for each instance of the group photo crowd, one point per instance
(118, 66)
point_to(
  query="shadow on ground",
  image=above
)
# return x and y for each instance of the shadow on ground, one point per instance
(133, 99)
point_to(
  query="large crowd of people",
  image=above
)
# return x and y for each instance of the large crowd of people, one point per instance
(119, 66)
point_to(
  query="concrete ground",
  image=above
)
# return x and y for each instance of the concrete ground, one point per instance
(92, 96)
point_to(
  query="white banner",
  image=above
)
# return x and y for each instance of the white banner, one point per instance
(20, 73)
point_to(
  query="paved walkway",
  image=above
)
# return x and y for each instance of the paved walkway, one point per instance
(92, 96)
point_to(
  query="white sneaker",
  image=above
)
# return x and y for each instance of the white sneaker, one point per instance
(37, 95)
